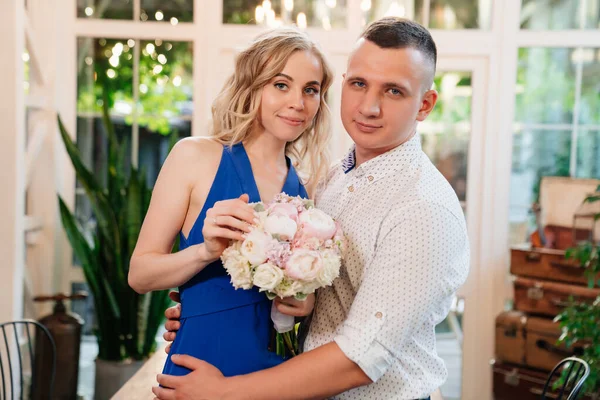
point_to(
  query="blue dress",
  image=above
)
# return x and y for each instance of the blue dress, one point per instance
(228, 328)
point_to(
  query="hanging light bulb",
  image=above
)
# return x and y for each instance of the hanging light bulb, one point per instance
(301, 20)
(395, 10)
(365, 5)
(288, 5)
(259, 14)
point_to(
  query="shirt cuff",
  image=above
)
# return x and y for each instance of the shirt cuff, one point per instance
(373, 358)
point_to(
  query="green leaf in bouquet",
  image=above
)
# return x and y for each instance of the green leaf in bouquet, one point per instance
(300, 296)
(308, 203)
(258, 207)
(271, 295)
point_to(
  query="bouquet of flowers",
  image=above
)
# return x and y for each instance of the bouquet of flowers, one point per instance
(292, 250)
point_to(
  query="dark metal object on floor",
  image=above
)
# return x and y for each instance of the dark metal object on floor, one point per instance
(65, 328)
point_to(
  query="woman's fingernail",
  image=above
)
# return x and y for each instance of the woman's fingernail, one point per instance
(256, 221)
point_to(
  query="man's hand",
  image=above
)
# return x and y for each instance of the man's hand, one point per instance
(172, 325)
(295, 308)
(205, 382)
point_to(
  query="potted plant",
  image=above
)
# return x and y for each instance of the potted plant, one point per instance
(127, 322)
(579, 321)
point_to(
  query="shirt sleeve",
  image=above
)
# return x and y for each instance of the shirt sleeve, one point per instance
(419, 263)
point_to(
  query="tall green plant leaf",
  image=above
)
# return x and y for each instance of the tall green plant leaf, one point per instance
(96, 280)
(102, 210)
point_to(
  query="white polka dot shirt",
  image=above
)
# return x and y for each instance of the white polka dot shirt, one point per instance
(407, 254)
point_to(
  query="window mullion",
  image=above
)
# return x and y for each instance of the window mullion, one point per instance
(135, 129)
(426, 12)
(576, 106)
(137, 10)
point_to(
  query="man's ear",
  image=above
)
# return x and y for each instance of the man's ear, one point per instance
(429, 99)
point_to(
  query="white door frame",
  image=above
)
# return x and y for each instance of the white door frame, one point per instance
(475, 326)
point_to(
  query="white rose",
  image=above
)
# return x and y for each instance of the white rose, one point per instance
(238, 268)
(267, 276)
(287, 288)
(281, 225)
(331, 267)
(255, 247)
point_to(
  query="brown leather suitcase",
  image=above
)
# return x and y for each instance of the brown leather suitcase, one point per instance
(530, 341)
(548, 298)
(548, 264)
(510, 337)
(516, 383)
(541, 348)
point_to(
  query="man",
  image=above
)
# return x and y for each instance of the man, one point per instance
(372, 333)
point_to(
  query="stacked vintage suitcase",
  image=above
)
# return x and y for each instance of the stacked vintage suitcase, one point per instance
(526, 338)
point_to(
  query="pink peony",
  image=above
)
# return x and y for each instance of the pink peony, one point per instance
(304, 265)
(284, 210)
(315, 223)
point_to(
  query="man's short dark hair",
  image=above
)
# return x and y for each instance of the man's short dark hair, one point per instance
(401, 33)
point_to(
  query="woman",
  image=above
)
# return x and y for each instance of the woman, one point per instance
(271, 110)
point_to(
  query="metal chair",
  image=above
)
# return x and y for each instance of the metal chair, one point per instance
(573, 380)
(26, 336)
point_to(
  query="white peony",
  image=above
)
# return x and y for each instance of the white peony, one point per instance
(267, 276)
(255, 247)
(282, 226)
(238, 268)
(331, 267)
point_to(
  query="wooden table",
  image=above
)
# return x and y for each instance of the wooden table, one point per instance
(139, 387)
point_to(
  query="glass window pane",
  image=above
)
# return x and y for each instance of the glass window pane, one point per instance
(102, 65)
(113, 9)
(446, 132)
(545, 86)
(536, 153)
(588, 154)
(154, 147)
(168, 11)
(375, 9)
(165, 82)
(326, 14)
(165, 107)
(460, 14)
(592, 14)
(550, 15)
(589, 112)
(92, 143)
(105, 64)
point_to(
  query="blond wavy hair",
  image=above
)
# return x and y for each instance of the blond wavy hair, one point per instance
(235, 111)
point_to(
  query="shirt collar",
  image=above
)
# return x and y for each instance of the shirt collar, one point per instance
(386, 163)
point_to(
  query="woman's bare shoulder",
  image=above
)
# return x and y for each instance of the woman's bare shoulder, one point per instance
(196, 152)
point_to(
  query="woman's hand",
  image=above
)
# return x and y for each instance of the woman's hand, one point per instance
(296, 308)
(226, 220)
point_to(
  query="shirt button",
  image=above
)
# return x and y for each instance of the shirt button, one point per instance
(351, 188)
(378, 315)
(370, 178)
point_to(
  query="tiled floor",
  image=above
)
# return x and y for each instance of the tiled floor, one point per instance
(448, 349)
